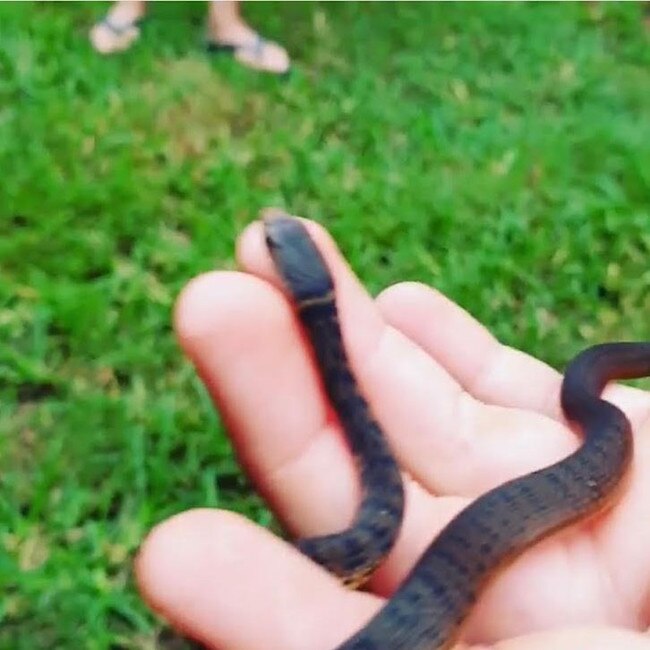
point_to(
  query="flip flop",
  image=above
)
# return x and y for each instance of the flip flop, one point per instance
(123, 35)
(248, 54)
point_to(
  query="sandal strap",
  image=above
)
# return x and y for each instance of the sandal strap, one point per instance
(118, 30)
(256, 47)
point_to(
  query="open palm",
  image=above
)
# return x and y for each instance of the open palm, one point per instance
(462, 412)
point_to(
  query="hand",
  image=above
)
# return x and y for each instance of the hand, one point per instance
(463, 414)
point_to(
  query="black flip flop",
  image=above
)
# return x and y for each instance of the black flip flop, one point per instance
(215, 47)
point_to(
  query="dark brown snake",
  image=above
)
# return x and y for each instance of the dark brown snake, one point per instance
(427, 610)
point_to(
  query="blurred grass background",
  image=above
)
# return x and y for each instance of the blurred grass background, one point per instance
(498, 152)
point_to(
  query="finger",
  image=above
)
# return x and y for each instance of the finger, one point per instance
(231, 585)
(447, 440)
(242, 338)
(490, 371)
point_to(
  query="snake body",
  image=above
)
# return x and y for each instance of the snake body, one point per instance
(353, 553)
(428, 609)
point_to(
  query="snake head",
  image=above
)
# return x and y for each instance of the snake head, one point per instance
(295, 255)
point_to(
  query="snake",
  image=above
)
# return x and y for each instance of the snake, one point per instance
(428, 609)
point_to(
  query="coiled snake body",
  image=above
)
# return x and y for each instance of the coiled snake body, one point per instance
(426, 612)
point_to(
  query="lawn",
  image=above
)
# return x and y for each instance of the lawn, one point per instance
(498, 152)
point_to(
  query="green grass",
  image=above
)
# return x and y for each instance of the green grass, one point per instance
(500, 153)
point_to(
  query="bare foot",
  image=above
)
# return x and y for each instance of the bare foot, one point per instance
(119, 29)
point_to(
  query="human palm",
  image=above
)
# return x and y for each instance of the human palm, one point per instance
(462, 412)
